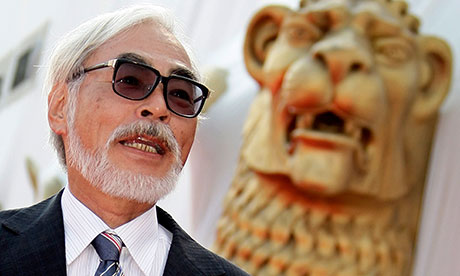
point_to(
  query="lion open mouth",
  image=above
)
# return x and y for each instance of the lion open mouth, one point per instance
(326, 129)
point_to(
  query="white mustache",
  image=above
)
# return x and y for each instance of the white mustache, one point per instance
(158, 130)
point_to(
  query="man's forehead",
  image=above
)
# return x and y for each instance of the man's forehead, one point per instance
(179, 69)
(149, 43)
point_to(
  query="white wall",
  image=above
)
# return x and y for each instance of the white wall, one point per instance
(216, 29)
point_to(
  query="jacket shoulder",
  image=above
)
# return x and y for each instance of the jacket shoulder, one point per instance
(32, 240)
(21, 219)
(188, 257)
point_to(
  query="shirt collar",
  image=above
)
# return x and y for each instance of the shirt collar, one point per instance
(140, 237)
(81, 226)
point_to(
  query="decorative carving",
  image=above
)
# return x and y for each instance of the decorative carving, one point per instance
(216, 79)
(337, 142)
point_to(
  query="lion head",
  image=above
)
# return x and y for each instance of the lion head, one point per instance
(349, 96)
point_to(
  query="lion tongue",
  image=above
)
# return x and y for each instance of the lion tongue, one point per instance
(330, 169)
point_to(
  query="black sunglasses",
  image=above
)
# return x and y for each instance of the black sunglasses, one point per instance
(136, 81)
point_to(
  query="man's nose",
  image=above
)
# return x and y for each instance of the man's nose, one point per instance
(154, 106)
(343, 54)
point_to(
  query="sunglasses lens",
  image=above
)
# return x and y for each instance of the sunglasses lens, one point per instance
(184, 97)
(133, 81)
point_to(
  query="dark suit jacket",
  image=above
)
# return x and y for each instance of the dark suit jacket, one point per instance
(32, 243)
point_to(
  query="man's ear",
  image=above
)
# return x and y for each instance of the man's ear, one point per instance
(436, 71)
(57, 109)
(262, 31)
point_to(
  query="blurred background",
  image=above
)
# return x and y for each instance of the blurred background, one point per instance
(29, 170)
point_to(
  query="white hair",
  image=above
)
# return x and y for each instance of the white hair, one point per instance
(106, 176)
(74, 48)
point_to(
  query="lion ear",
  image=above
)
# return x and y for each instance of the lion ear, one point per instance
(262, 31)
(436, 68)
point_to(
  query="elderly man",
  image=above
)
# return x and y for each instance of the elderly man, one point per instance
(123, 105)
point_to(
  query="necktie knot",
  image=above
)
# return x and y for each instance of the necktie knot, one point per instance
(108, 247)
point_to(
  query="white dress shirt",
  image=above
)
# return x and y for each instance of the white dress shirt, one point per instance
(146, 242)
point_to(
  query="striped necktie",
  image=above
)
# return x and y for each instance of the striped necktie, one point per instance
(108, 247)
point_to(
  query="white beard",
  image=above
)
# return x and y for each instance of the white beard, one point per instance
(114, 181)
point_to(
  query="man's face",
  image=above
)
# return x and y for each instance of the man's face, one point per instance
(343, 77)
(99, 111)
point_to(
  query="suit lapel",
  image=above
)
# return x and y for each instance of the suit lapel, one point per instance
(37, 241)
(36, 246)
(186, 257)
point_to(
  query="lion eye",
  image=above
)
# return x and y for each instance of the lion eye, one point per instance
(300, 34)
(393, 51)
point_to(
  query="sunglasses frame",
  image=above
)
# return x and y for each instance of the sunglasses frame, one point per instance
(117, 62)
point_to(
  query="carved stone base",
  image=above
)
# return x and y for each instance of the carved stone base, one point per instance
(270, 229)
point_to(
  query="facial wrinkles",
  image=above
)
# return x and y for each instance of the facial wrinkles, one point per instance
(110, 179)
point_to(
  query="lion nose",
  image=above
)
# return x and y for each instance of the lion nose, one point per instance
(342, 55)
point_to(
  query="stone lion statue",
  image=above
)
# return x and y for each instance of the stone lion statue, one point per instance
(337, 141)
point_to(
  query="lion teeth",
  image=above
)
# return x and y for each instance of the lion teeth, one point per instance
(350, 127)
(142, 147)
(352, 130)
(305, 121)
